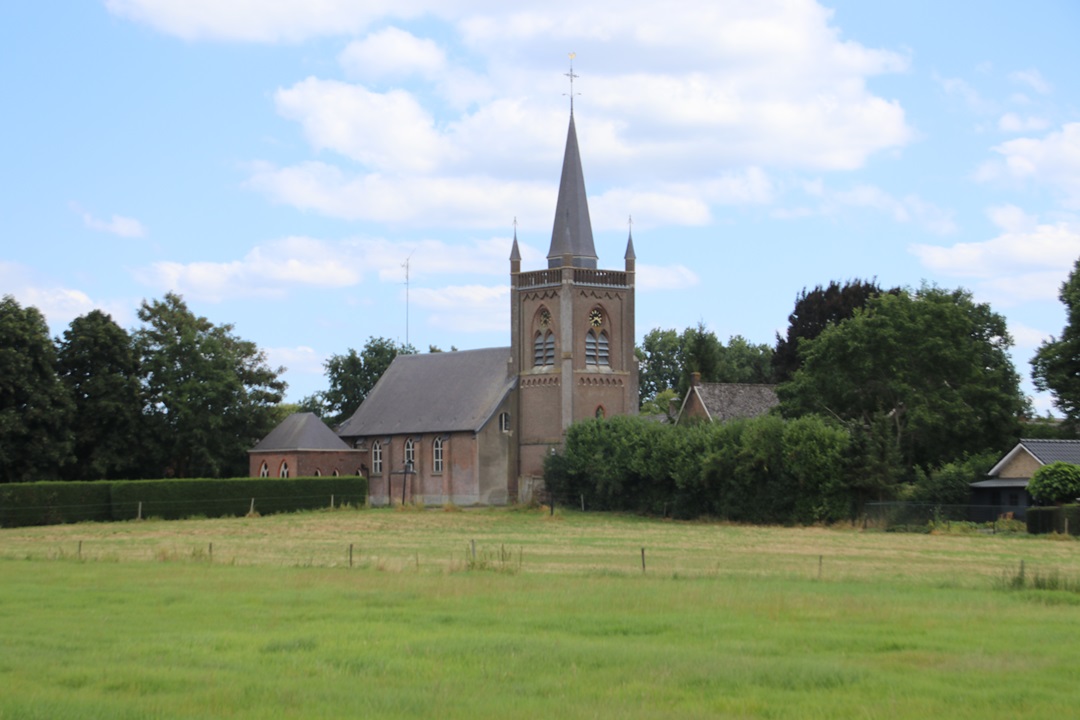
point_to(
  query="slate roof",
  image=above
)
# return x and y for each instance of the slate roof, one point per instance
(1045, 451)
(301, 431)
(434, 392)
(734, 401)
(572, 232)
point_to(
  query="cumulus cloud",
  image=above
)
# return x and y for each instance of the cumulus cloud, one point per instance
(298, 360)
(1011, 122)
(60, 305)
(908, 209)
(665, 277)
(1053, 161)
(268, 270)
(1033, 79)
(117, 225)
(260, 21)
(1027, 260)
(465, 308)
(392, 53)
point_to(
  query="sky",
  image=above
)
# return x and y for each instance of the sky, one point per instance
(280, 164)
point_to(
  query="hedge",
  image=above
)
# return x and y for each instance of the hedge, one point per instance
(1042, 520)
(54, 503)
(50, 503)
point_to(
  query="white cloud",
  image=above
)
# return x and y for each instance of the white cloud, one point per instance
(117, 225)
(910, 208)
(1053, 160)
(268, 270)
(1027, 261)
(669, 277)
(60, 305)
(1011, 122)
(392, 53)
(1033, 79)
(385, 131)
(258, 20)
(959, 88)
(416, 201)
(465, 308)
(298, 360)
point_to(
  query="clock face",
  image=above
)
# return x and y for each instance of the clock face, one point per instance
(545, 318)
(596, 318)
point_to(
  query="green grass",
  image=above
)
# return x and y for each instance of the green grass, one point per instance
(555, 618)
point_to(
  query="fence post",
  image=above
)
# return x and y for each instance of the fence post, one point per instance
(210, 551)
(820, 562)
(642, 559)
(139, 517)
(251, 510)
(350, 554)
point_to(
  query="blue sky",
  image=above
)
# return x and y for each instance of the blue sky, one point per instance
(277, 163)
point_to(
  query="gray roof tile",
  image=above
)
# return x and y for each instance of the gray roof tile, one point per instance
(733, 401)
(1048, 451)
(301, 431)
(434, 392)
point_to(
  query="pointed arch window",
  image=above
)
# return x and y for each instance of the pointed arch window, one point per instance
(264, 471)
(597, 348)
(410, 453)
(437, 455)
(283, 471)
(601, 413)
(376, 458)
(544, 348)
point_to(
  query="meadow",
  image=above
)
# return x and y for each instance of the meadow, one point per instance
(268, 618)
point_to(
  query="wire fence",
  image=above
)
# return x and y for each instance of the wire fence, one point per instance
(896, 516)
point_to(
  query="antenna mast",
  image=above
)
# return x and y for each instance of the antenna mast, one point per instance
(406, 266)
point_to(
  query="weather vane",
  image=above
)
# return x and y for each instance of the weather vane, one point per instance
(571, 75)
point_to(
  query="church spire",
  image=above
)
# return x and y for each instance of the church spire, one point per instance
(572, 233)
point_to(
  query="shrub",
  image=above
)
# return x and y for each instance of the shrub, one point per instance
(53, 503)
(1057, 482)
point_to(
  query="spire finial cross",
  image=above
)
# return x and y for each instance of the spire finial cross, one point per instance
(571, 75)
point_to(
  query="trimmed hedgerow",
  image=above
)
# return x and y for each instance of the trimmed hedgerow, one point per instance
(171, 499)
(53, 503)
(1042, 520)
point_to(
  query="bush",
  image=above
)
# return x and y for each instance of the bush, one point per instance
(54, 503)
(1043, 520)
(50, 503)
(1057, 482)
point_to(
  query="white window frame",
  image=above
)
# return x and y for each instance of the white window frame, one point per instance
(437, 455)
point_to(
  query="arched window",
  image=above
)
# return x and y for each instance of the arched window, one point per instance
(437, 455)
(544, 348)
(600, 412)
(284, 470)
(597, 351)
(318, 472)
(376, 458)
(336, 473)
(264, 471)
(410, 454)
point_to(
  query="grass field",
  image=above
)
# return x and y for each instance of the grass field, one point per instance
(554, 616)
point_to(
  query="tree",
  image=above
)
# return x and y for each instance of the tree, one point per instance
(814, 311)
(658, 363)
(1056, 365)
(352, 376)
(209, 395)
(96, 361)
(1058, 482)
(932, 365)
(35, 409)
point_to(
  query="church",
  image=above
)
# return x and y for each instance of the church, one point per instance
(473, 427)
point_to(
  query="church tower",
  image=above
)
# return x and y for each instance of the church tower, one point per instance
(572, 327)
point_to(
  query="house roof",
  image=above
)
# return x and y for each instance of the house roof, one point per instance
(733, 401)
(300, 431)
(434, 392)
(1044, 451)
(572, 232)
(1000, 483)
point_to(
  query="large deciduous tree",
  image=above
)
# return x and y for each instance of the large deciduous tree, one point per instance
(209, 394)
(35, 409)
(1056, 365)
(931, 365)
(96, 361)
(352, 376)
(814, 311)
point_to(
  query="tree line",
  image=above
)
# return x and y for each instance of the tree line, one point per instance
(884, 394)
(177, 397)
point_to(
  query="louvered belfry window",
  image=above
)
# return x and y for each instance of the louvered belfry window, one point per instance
(544, 349)
(596, 348)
